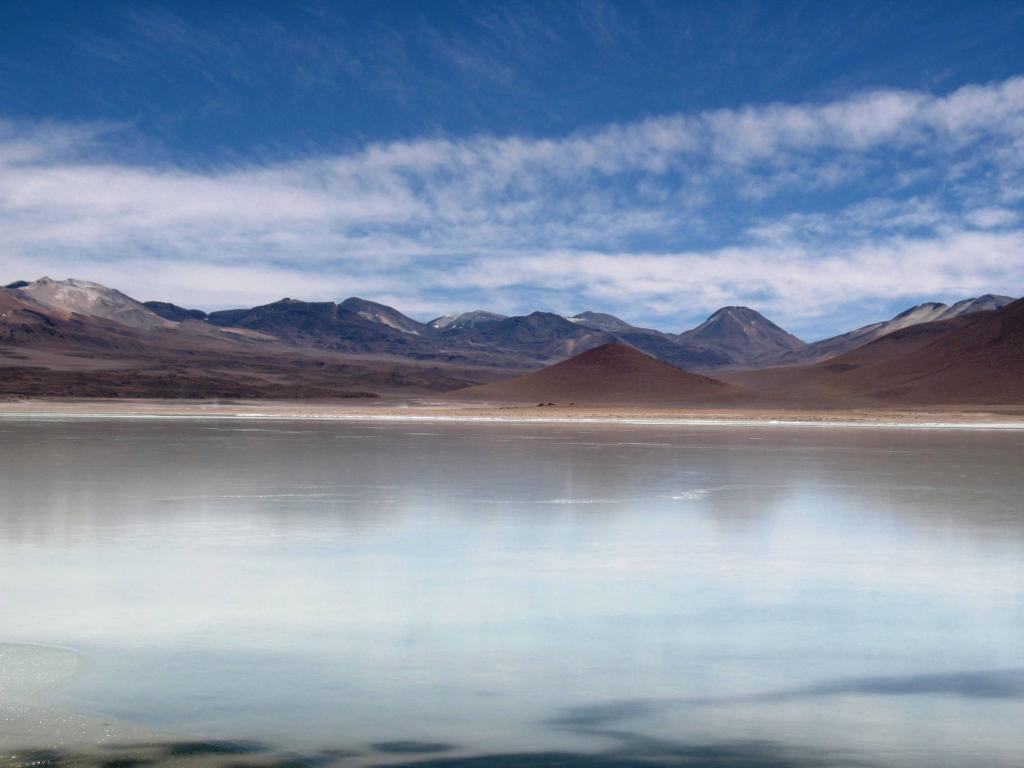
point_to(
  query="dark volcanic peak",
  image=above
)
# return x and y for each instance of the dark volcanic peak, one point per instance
(533, 325)
(343, 327)
(383, 314)
(610, 374)
(16, 284)
(745, 333)
(474, 319)
(283, 315)
(537, 338)
(443, 321)
(170, 311)
(537, 326)
(600, 321)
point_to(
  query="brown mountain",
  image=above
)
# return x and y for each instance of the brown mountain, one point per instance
(975, 358)
(972, 359)
(609, 374)
(928, 312)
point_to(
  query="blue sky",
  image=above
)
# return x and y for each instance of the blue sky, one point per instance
(827, 163)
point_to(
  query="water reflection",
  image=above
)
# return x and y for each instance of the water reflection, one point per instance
(369, 594)
(631, 751)
(984, 684)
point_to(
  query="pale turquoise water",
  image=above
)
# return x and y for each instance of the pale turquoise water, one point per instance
(675, 595)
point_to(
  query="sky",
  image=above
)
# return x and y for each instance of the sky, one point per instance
(827, 163)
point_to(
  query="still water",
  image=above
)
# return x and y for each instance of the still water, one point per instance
(363, 593)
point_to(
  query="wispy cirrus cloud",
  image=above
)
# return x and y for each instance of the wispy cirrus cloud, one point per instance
(798, 209)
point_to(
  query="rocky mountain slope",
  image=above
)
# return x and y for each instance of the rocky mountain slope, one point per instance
(970, 359)
(91, 299)
(922, 313)
(384, 315)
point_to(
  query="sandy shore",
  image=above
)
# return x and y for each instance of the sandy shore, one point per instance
(32, 721)
(992, 417)
(39, 728)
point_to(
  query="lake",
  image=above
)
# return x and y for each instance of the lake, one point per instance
(364, 593)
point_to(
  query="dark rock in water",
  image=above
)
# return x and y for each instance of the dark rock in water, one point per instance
(126, 762)
(198, 748)
(412, 747)
(43, 759)
(637, 751)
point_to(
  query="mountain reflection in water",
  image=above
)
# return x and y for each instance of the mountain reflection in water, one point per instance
(309, 593)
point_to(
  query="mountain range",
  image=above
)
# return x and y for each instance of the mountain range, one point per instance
(732, 337)
(298, 348)
(975, 358)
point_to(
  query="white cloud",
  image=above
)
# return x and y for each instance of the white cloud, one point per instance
(793, 208)
(990, 218)
(963, 262)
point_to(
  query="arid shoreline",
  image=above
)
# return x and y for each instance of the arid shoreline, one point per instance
(992, 417)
